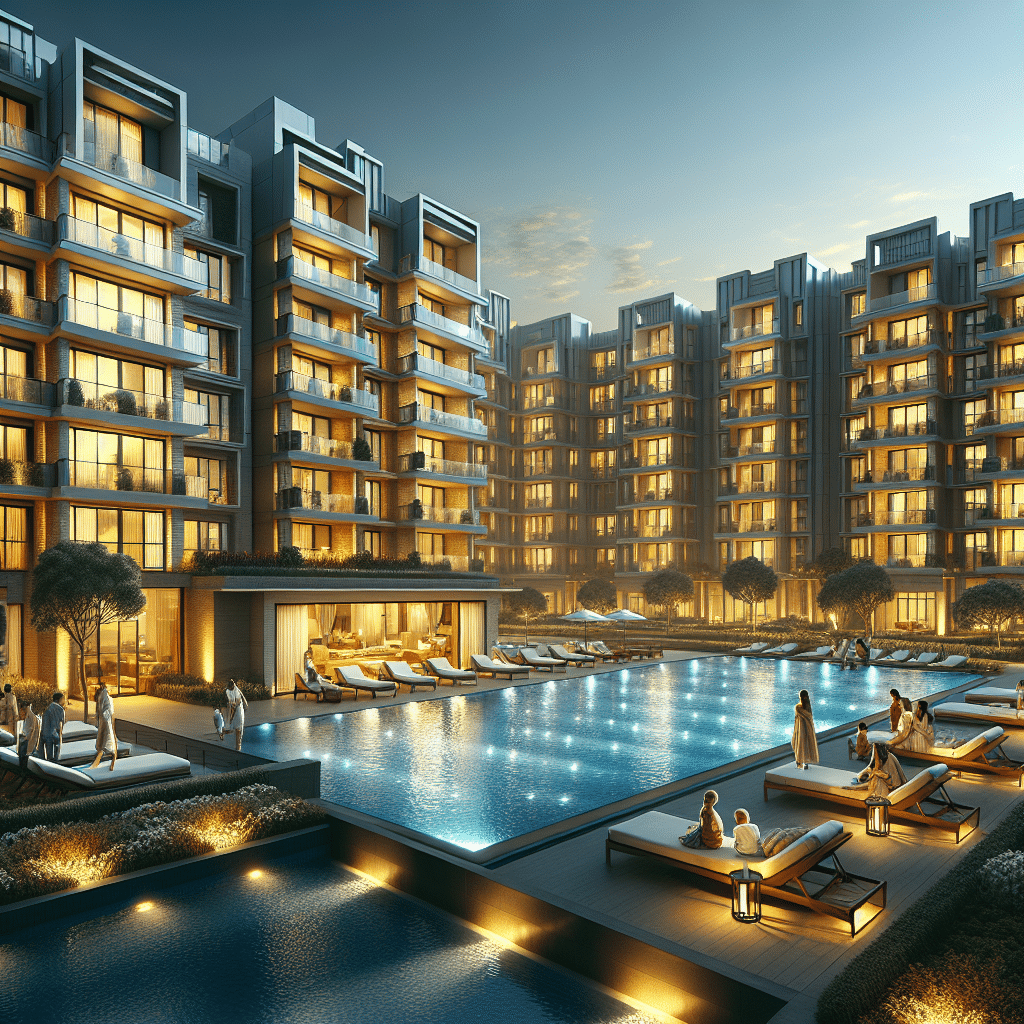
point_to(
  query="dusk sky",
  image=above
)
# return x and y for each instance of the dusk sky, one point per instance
(619, 150)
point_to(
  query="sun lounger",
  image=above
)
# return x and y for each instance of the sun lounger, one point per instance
(129, 771)
(573, 659)
(783, 649)
(970, 756)
(84, 751)
(444, 669)
(78, 731)
(925, 658)
(877, 654)
(601, 650)
(913, 802)
(991, 695)
(485, 666)
(528, 656)
(953, 661)
(819, 653)
(1004, 716)
(330, 692)
(401, 672)
(351, 676)
(787, 875)
(758, 648)
(899, 656)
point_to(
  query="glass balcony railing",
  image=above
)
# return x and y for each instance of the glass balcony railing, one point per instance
(344, 341)
(27, 474)
(112, 477)
(88, 395)
(919, 561)
(877, 346)
(765, 327)
(414, 361)
(101, 155)
(322, 501)
(292, 380)
(1001, 273)
(418, 462)
(439, 273)
(25, 389)
(1008, 369)
(437, 514)
(744, 412)
(134, 249)
(25, 307)
(747, 526)
(15, 137)
(207, 148)
(333, 227)
(651, 387)
(300, 441)
(747, 487)
(994, 418)
(16, 62)
(760, 369)
(128, 325)
(416, 412)
(415, 313)
(921, 294)
(26, 225)
(742, 450)
(294, 267)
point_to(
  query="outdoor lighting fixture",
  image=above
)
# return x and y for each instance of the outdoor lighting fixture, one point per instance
(143, 907)
(878, 816)
(256, 874)
(746, 895)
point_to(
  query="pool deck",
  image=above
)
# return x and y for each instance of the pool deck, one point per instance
(791, 952)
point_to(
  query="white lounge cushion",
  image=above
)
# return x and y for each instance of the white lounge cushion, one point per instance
(401, 670)
(443, 667)
(952, 661)
(961, 750)
(78, 731)
(9, 757)
(128, 771)
(912, 787)
(980, 712)
(837, 781)
(484, 664)
(985, 694)
(782, 649)
(926, 657)
(6, 739)
(352, 675)
(83, 751)
(818, 652)
(752, 649)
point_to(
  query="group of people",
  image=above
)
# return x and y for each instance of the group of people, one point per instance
(708, 831)
(47, 743)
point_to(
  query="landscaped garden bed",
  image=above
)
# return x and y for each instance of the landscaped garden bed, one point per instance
(188, 689)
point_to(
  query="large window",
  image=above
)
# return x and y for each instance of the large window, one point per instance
(116, 308)
(116, 461)
(219, 287)
(204, 536)
(118, 222)
(915, 607)
(322, 202)
(14, 542)
(218, 413)
(140, 535)
(446, 255)
(112, 135)
(117, 384)
(213, 473)
(221, 344)
(310, 538)
(13, 112)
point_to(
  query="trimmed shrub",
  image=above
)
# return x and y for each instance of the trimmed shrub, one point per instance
(190, 690)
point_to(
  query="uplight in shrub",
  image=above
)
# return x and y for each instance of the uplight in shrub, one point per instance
(145, 906)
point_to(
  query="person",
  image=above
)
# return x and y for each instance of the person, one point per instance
(218, 722)
(708, 830)
(904, 726)
(895, 710)
(882, 776)
(862, 749)
(51, 733)
(236, 711)
(9, 710)
(746, 835)
(312, 677)
(922, 728)
(1020, 695)
(805, 742)
(863, 650)
(106, 737)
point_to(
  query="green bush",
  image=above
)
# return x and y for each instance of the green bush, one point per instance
(201, 692)
(29, 691)
(284, 563)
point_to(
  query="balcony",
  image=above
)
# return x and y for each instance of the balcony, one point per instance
(746, 412)
(898, 476)
(337, 228)
(106, 477)
(1005, 272)
(25, 225)
(294, 267)
(417, 413)
(22, 140)
(994, 418)
(416, 363)
(648, 460)
(926, 382)
(658, 351)
(539, 503)
(650, 423)
(87, 395)
(25, 307)
(608, 405)
(922, 294)
(27, 474)
(659, 494)
(26, 389)
(748, 526)
(539, 436)
(417, 511)
(998, 370)
(16, 62)
(418, 462)
(925, 561)
(654, 387)
(136, 328)
(747, 487)
(206, 148)
(417, 314)
(321, 501)
(101, 156)
(741, 372)
(905, 517)
(286, 441)
(110, 242)
(340, 342)
(604, 372)
(754, 330)
(437, 272)
(291, 380)
(894, 432)
(996, 322)
(881, 346)
(743, 450)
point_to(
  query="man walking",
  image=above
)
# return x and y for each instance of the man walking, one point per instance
(51, 734)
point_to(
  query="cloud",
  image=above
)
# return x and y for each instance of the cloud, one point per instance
(665, 263)
(859, 224)
(630, 274)
(832, 250)
(906, 197)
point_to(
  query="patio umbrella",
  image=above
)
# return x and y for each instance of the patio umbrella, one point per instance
(586, 616)
(624, 615)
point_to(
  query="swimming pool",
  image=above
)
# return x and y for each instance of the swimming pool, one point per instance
(306, 943)
(481, 769)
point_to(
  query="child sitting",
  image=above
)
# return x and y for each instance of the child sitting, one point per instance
(862, 749)
(708, 831)
(747, 835)
(218, 722)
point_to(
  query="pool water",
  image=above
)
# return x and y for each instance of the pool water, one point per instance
(304, 942)
(480, 769)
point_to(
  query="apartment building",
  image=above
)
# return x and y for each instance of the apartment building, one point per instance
(230, 342)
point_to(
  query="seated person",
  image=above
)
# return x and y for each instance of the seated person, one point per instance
(746, 834)
(883, 775)
(314, 680)
(861, 749)
(707, 832)
(863, 650)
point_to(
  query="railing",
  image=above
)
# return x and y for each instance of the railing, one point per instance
(26, 389)
(421, 463)
(438, 514)
(438, 272)
(333, 227)
(321, 501)
(602, 472)
(106, 477)
(1009, 558)
(542, 469)
(757, 448)
(292, 380)
(88, 395)
(153, 332)
(990, 372)
(604, 372)
(425, 414)
(742, 371)
(25, 307)
(606, 405)
(15, 137)
(1011, 510)
(650, 423)
(994, 418)
(26, 225)
(289, 323)
(295, 267)
(539, 402)
(98, 155)
(207, 148)
(903, 298)
(754, 330)
(648, 459)
(747, 412)
(925, 382)
(538, 536)
(652, 352)
(656, 387)
(537, 436)
(299, 441)
(96, 237)
(415, 361)
(907, 561)
(539, 503)
(904, 517)
(747, 487)
(897, 476)
(876, 346)
(16, 62)
(748, 526)
(925, 427)
(1000, 273)
(415, 313)
(27, 474)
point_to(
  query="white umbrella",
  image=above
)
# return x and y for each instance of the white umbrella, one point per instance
(624, 615)
(584, 615)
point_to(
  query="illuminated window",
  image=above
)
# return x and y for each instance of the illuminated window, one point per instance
(140, 535)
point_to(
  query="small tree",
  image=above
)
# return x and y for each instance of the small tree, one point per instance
(991, 604)
(751, 581)
(597, 595)
(861, 589)
(524, 603)
(829, 562)
(666, 588)
(80, 587)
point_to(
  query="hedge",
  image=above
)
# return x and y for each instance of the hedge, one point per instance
(186, 689)
(918, 931)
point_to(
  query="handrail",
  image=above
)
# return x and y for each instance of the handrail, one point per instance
(292, 380)
(424, 413)
(293, 266)
(410, 263)
(27, 225)
(754, 330)
(103, 158)
(333, 227)
(413, 361)
(291, 323)
(153, 332)
(416, 313)
(89, 395)
(420, 463)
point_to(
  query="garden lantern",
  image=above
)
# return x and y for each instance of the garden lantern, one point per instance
(878, 816)
(746, 895)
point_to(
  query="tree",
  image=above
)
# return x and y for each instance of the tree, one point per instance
(991, 604)
(80, 587)
(751, 581)
(829, 562)
(861, 589)
(524, 603)
(666, 588)
(597, 595)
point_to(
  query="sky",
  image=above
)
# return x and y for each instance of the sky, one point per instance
(620, 150)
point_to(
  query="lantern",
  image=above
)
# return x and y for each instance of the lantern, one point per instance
(878, 816)
(746, 895)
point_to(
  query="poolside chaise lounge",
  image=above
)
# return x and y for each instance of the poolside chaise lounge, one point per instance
(330, 692)
(786, 875)
(489, 667)
(72, 731)
(128, 771)
(1001, 715)
(899, 656)
(784, 649)
(991, 695)
(569, 656)
(401, 672)
(84, 751)
(819, 653)
(757, 648)
(528, 656)
(969, 756)
(351, 676)
(953, 661)
(907, 801)
(445, 670)
(601, 650)
(925, 658)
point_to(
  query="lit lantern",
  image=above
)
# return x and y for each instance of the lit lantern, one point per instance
(878, 816)
(746, 895)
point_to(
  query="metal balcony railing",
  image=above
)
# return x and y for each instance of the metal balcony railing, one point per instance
(420, 463)
(26, 225)
(1001, 273)
(648, 423)
(537, 436)
(21, 139)
(322, 501)
(438, 514)
(407, 264)
(134, 249)
(415, 313)
(907, 561)
(539, 503)
(897, 476)
(903, 298)
(878, 346)
(1010, 510)
(26, 389)
(994, 418)
(903, 517)
(130, 403)
(295, 267)
(27, 474)
(754, 330)
(98, 154)
(416, 412)
(16, 62)
(413, 362)
(604, 372)
(292, 380)
(652, 351)
(343, 341)
(757, 448)
(747, 487)
(651, 387)
(127, 325)
(743, 412)
(994, 371)
(332, 227)
(748, 526)
(299, 441)
(761, 369)
(25, 307)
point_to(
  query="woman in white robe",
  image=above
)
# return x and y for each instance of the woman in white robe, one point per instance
(805, 741)
(236, 712)
(922, 729)
(905, 726)
(106, 737)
